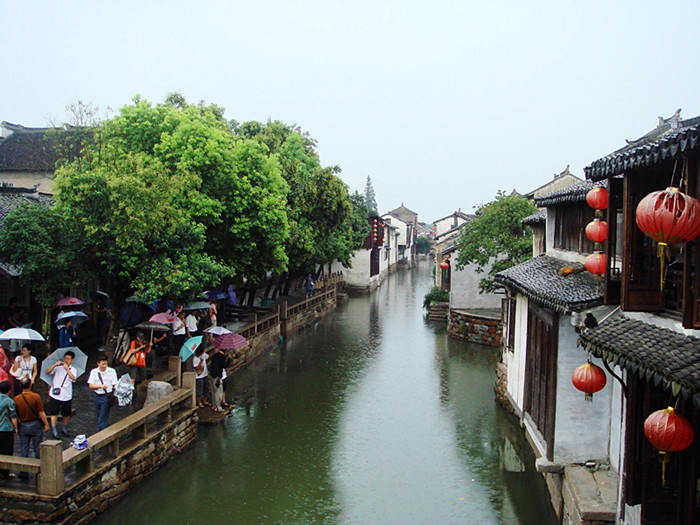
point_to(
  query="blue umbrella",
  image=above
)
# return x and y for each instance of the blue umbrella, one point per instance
(76, 316)
(216, 295)
(190, 346)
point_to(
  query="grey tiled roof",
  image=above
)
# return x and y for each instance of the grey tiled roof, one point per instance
(12, 198)
(536, 218)
(539, 280)
(659, 144)
(27, 149)
(574, 193)
(657, 354)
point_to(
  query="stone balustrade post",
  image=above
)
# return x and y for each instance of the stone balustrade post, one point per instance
(175, 365)
(51, 481)
(189, 381)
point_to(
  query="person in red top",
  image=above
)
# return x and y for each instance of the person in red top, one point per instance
(137, 357)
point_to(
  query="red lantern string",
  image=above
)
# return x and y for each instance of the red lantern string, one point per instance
(597, 230)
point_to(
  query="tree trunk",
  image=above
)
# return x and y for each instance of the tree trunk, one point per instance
(252, 287)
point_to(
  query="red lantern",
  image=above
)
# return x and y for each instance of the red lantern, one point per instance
(596, 263)
(597, 198)
(444, 265)
(668, 217)
(597, 230)
(668, 432)
(589, 378)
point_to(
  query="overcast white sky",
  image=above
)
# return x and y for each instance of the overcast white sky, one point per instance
(441, 103)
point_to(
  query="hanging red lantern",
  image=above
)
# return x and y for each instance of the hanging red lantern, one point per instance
(589, 378)
(596, 263)
(597, 230)
(668, 217)
(597, 198)
(668, 432)
(444, 265)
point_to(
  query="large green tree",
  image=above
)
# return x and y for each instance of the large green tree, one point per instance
(496, 237)
(166, 201)
(321, 214)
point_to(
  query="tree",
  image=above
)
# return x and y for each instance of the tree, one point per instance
(423, 245)
(320, 211)
(370, 199)
(497, 237)
(167, 202)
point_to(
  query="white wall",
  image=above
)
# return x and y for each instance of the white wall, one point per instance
(464, 288)
(358, 275)
(27, 179)
(446, 224)
(582, 429)
(515, 361)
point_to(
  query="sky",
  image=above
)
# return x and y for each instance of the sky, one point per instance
(441, 103)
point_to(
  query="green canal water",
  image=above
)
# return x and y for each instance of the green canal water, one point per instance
(372, 416)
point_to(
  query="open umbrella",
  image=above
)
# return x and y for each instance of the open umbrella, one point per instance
(190, 346)
(163, 317)
(152, 326)
(79, 363)
(217, 330)
(70, 301)
(77, 317)
(24, 334)
(216, 295)
(197, 305)
(230, 341)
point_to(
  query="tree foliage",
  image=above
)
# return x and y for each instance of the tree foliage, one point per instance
(370, 197)
(321, 214)
(497, 237)
(423, 245)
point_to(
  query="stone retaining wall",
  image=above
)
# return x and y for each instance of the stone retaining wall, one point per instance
(82, 502)
(475, 328)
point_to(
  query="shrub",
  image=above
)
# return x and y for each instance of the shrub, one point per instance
(437, 295)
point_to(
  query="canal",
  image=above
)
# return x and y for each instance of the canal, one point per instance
(371, 416)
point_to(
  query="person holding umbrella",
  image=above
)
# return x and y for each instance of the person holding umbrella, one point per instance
(61, 392)
(65, 334)
(24, 366)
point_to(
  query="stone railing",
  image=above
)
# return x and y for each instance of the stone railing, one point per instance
(57, 468)
(287, 311)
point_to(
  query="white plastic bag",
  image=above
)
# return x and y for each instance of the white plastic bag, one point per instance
(124, 390)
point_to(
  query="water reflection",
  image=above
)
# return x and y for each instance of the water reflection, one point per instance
(371, 416)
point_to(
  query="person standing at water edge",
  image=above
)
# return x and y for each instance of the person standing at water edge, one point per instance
(61, 392)
(309, 284)
(102, 381)
(32, 420)
(8, 424)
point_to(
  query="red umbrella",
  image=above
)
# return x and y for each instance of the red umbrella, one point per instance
(163, 317)
(70, 301)
(230, 341)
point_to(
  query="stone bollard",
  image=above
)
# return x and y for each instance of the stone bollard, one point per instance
(175, 365)
(189, 381)
(51, 480)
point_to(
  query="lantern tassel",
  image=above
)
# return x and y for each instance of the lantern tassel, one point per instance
(663, 252)
(664, 461)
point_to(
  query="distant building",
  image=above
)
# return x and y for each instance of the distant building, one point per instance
(27, 157)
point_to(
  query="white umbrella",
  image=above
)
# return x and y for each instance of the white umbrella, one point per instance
(25, 334)
(217, 330)
(79, 363)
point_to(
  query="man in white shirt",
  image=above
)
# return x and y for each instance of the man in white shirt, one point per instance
(61, 392)
(191, 325)
(102, 381)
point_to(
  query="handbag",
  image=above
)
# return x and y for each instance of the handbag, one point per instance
(56, 391)
(141, 359)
